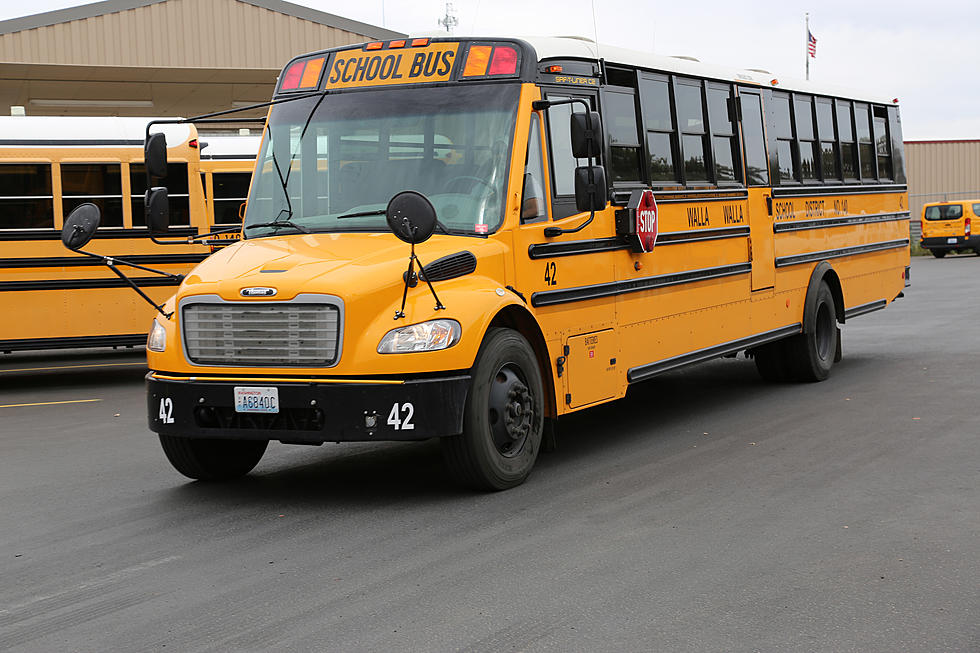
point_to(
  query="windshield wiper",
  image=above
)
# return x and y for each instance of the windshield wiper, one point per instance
(360, 214)
(278, 224)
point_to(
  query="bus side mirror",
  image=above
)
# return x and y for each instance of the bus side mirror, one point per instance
(590, 188)
(155, 157)
(80, 226)
(157, 211)
(586, 135)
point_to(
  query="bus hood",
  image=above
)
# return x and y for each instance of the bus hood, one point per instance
(342, 264)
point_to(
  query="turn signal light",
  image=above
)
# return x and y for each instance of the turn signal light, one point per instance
(966, 227)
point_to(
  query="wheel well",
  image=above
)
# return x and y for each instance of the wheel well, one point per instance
(520, 320)
(833, 282)
(824, 272)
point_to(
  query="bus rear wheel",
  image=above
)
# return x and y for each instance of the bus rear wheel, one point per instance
(504, 417)
(938, 253)
(213, 460)
(811, 354)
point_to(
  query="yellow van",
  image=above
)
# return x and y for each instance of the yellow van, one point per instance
(947, 226)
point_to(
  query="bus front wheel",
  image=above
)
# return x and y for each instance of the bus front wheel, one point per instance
(504, 416)
(213, 460)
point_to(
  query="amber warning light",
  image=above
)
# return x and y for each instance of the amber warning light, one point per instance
(491, 61)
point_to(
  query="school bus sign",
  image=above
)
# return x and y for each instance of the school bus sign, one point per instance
(378, 68)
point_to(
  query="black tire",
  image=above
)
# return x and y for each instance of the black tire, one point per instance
(213, 460)
(504, 416)
(811, 354)
(770, 361)
(938, 253)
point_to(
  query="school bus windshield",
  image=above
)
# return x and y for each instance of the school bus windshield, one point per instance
(331, 163)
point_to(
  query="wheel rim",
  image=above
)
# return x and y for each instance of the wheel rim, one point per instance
(511, 410)
(825, 331)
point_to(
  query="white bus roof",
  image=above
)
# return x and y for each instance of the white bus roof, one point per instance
(72, 131)
(565, 47)
(230, 147)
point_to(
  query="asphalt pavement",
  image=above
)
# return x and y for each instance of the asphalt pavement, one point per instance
(708, 511)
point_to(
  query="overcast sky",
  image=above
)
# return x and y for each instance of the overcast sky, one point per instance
(924, 53)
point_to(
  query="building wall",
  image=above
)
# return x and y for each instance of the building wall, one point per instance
(160, 57)
(938, 171)
(177, 33)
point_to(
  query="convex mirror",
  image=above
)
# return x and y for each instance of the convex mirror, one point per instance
(590, 188)
(155, 157)
(586, 135)
(411, 217)
(80, 226)
(157, 204)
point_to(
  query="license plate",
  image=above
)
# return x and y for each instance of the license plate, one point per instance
(950, 241)
(256, 400)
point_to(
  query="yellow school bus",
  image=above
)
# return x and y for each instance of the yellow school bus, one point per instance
(573, 224)
(49, 166)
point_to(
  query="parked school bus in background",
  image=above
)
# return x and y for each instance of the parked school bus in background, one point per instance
(554, 277)
(49, 166)
(948, 226)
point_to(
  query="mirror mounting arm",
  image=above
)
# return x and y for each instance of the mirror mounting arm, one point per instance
(112, 266)
(110, 262)
(544, 105)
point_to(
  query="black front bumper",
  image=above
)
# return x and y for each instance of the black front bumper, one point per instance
(310, 413)
(942, 242)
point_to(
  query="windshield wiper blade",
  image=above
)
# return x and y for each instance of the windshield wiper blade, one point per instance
(278, 224)
(361, 214)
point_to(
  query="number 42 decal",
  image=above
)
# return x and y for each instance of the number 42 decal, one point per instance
(396, 419)
(167, 410)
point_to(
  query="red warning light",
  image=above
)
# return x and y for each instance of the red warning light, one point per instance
(504, 61)
(377, 45)
(290, 81)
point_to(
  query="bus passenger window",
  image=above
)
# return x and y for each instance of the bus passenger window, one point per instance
(848, 151)
(230, 191)
(659, 124)
(828, 140)
(177, 192)
(98, 183)
(783, 128)
(866, 151)
(757, 167)
(690, 121)
(533, 202)
(882, 145)
(724, 143)
(26, 199)
(807, 140)
(619, 118)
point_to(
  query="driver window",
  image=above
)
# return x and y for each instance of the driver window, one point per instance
(533, 203)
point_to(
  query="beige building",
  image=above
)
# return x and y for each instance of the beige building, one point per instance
(938, 171)
(160, 57)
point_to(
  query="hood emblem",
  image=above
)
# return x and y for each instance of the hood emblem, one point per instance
(258, 291)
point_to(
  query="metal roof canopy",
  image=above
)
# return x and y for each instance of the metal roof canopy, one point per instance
(94, 9)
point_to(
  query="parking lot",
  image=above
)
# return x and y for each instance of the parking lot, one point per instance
(708, 511)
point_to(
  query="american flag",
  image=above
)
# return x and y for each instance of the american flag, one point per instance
(811, 44)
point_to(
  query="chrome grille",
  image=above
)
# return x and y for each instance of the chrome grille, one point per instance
(288, 334)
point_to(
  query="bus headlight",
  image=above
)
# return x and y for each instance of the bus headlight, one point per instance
(157, 340)
(427, 336)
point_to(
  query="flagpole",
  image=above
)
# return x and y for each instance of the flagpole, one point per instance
(806, 46)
